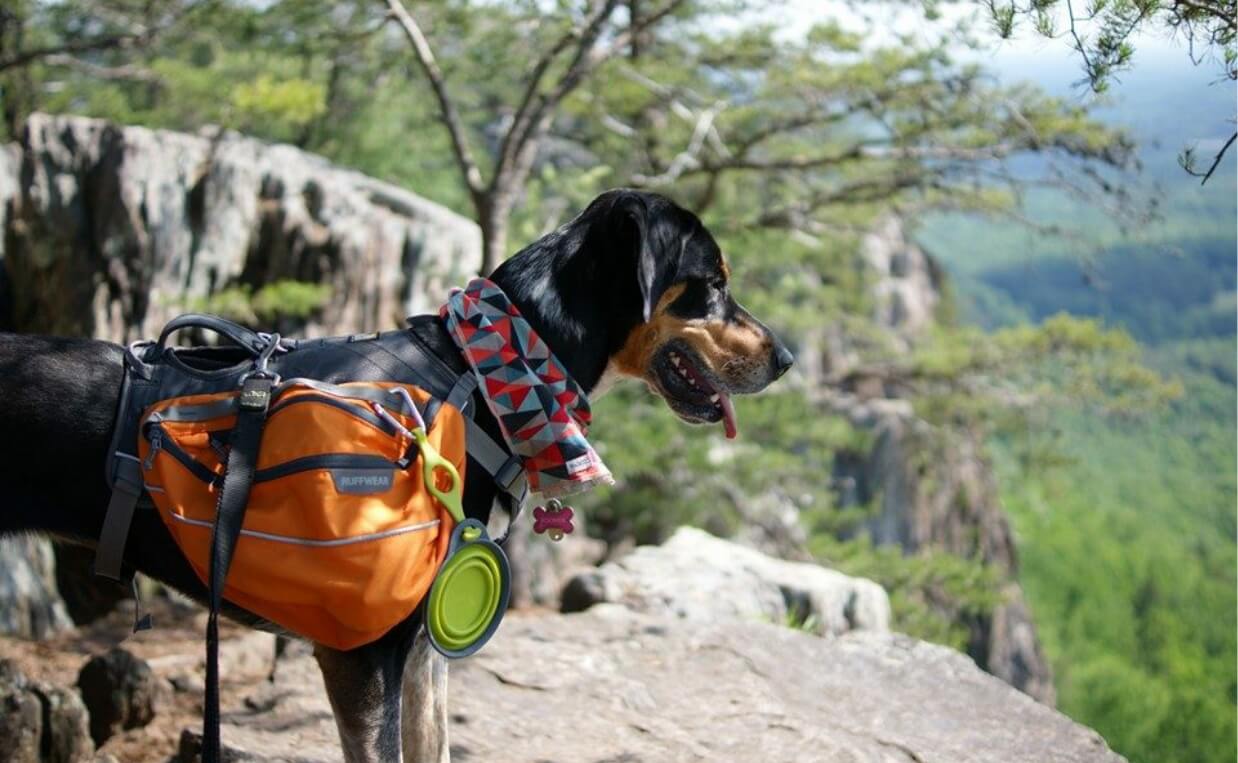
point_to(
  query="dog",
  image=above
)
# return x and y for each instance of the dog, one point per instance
(634, 286)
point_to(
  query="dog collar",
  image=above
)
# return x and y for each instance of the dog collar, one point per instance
(542, 412)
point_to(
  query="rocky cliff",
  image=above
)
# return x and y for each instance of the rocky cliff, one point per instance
(928, 488)
(109, 231)
(688, 658)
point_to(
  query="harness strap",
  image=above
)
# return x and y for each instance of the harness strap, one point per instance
(505, 468)
(126, 489)
(255, 398)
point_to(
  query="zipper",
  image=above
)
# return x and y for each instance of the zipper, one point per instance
(356, 411)
(156, 442)
(159, 441)
(324, 461)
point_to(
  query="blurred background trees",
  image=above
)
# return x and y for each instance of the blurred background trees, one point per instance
(1111, 430)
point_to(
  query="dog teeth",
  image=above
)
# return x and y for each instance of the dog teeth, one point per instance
(713, 398)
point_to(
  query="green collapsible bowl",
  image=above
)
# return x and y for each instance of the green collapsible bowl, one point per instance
(470, 593)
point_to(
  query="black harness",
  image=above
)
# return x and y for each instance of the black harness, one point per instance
(255, 363)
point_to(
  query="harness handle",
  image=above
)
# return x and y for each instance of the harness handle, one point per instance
(250, 340)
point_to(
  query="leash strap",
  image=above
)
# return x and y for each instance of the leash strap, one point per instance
(254, 400)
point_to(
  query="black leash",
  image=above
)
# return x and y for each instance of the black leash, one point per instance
(251, 416)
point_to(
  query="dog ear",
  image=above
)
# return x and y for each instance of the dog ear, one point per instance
(656, 248)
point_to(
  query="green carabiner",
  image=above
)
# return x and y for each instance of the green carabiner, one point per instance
(431, 460)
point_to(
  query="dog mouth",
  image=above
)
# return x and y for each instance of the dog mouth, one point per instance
(693, 392)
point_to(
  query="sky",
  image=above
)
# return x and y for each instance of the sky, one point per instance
(1166, 100)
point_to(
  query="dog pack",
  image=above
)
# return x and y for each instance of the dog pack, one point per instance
(315, 483)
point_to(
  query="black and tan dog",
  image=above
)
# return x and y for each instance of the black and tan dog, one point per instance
(635, 286)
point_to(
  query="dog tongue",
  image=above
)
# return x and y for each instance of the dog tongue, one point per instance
(728, 416)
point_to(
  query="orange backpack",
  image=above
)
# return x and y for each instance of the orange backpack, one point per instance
(293, 477)
(340, 539)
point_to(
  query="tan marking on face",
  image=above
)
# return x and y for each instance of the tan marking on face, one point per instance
(725, 346)
(634, 357)
(726, 270)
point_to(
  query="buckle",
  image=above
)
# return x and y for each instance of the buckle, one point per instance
(508, 473)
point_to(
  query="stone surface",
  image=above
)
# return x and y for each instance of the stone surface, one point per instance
(40, 723)
(696, 576)
(611, 684)
(66, 730)
(113, 230)
(120, 691)
(907, 289)
(21, 717)
(30, 605)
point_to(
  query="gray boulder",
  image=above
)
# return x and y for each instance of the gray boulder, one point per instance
(611, 684)
(21, 717)
(40, 723)
(30, 604)
(120, 690)
(696, 576)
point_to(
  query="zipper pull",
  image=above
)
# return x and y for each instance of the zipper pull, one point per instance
(382, 413)
(156, 442)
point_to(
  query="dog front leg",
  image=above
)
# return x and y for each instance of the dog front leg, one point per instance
(424, 720)
(363, 686)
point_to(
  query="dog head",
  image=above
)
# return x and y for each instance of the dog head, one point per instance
(636, 286)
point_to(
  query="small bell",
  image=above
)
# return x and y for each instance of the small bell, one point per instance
(554, 519)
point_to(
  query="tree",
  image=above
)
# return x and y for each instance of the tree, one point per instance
(1101, 31)
(579, 46)
(99, 38)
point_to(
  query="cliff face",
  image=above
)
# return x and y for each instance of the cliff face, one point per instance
(930, 489)
(110, 231)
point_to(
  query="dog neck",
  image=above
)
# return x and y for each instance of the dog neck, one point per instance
(577, 298)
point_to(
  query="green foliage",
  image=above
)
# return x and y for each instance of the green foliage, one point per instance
(933, 595)
(294, 101)
(278, 301)
(1127, 526)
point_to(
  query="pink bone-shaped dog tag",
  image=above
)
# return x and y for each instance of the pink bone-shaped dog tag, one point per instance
(555, 520)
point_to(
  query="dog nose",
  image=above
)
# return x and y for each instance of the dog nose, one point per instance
(783, 360)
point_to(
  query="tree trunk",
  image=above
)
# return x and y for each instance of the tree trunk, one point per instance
(493, 215)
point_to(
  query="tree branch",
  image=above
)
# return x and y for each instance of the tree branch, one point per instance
(128, 73)
(447, 108)
(1216, 162)
(114, 42)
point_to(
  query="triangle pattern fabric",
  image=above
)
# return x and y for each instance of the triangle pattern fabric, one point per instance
(543, 412)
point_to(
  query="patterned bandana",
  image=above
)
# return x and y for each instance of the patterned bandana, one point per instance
(543, 413)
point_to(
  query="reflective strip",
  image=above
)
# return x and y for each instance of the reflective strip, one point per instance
(375, 394)
(199, 412)
(310, 541)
